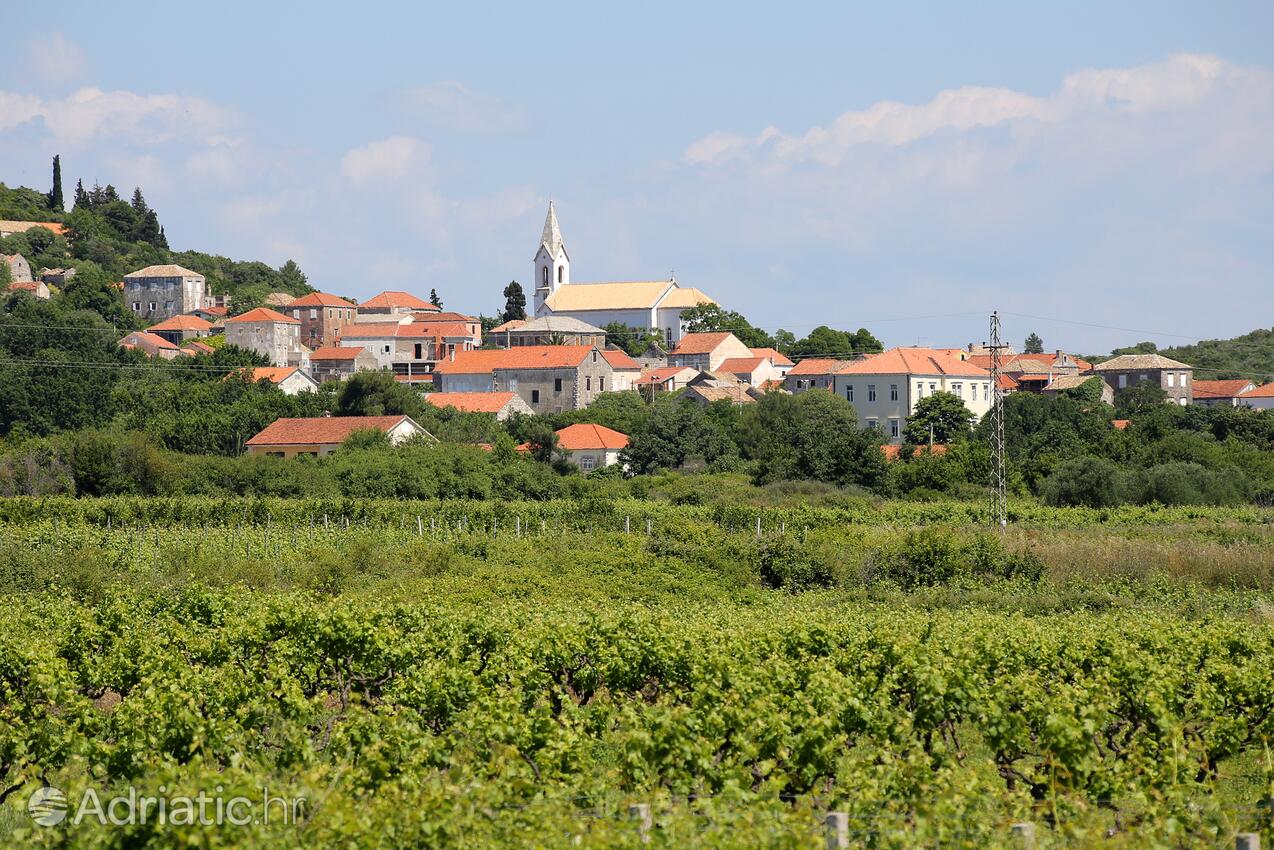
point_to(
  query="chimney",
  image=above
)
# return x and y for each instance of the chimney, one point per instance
(327, 414)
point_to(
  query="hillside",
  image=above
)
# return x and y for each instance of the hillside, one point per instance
(1248, 356)
(107, 237)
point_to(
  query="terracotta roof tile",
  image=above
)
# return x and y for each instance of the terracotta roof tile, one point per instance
(471, 402)
(337, 352)
(396, 299)
(776, 357)
(320, 299)
(620, 360)
(1140, 361)
(1231, 388)
(264, 314)
(320, 430)
(741, 365)
(817, 366)
(588, 436)
(166, 270)
(524, 357)
(1264, 391)
(23, 226)
(182, 323)
(912, 361)
(701, 343)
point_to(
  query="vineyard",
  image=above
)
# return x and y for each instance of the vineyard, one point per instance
(523, 674)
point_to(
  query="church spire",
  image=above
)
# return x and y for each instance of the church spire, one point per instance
(552, 236)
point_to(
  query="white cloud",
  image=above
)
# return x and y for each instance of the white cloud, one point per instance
(385, 160)
(91, 115)
(455, 106)
(250, 213)
(144, 170)
(57, 58)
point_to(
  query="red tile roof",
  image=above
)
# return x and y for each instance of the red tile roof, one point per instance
(212, 311)
(588, 436)
(1264, 391)
(410, 330)
(1121, 424)
(197, 347)
(912, 361)
(1014, 362)
(442, 316)
(320, 299)
(741, 365)
(396, 299)
(817, 366)
(1007, 383)
(336, 352)
(701, 343)
(273, 374)
(892, 452)
(1221, 389)
(661, 374)
(777, 357)
(620, 360)
(524, 357)
(136, 338)
(320, 430)
(264, 314)
(510, 325)
(182, 323)
(471, 402)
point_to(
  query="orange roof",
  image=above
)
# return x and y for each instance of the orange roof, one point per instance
(892, 452)
(25, 285)
(394, 299)
(198, 347)
(212, 311)
(182, 323)
(1010, 363)
(137, 337)
(912, 361)
(510, 325)
(660, 375)
(1007, 383)
(1265, 391)
(442, 316)
(817, 366)
(589, 436)
(524, 357)
(388, 330)
(320, 430)
(336, 352)
(620, 360)
(741, 365)
(24, 226)
(777, 357)
(263, 314)
(1121, 424)
(1221, 389)
(701, 343)
(471, 402)
(273, 374)
(320, 299)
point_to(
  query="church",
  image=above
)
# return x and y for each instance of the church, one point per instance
(649, 304)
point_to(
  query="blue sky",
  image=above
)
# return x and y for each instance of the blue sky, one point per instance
(802, 164)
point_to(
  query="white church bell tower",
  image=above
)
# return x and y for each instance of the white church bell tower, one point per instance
(552, 264)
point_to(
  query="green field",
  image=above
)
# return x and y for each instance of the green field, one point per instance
(487, 674)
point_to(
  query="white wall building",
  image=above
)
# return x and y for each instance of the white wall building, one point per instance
(885, 388)
(161, 292)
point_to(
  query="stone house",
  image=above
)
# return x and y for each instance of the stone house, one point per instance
(179, 329)
(1129, 370)
(502, 405)
(152, 345)
(269, 333)
(549, 378)
(161, 292)
(321, 435)
(812, 373)
(56, 277)
(336, 363)
(323, 318)
(1061, 383)
(391, 305)
(707, 351)
(38, 288)
(19, 268)
(551, 330)
(625, 370)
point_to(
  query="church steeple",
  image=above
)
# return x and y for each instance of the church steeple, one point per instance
(552, 263)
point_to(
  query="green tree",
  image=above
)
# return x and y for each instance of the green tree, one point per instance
(813, 435)
(377, 394)
(55, 196)
(712, 317)
(293, 279)
(434, 299)
(828, 342)
(1033, 345)
(81, 197)
(514, 302)
(784, 340)
(941, 416)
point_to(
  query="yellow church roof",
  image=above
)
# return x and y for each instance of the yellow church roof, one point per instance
(630, 295)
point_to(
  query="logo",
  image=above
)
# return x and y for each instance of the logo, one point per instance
(47, 806)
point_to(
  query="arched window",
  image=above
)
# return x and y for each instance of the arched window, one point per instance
(559, 273)
(544, 276)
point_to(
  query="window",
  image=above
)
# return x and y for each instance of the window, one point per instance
(544, 276)
(849, 393)
(893, 392)
(1185, 376)
(594, 356)
(152, 306)
(957, 389)
(933, 388)
(559, 273)
(1123, 381)
(871, 392)
(588, 383)
(1172, 378)
(535, 396)
(313, 313)
(920, 390)
(873, 423)
(986, 392)
(893, 427)
(586, 462)
(419, 351)
(557, 385)
(137, 306)
(601, 384)
(387, 349)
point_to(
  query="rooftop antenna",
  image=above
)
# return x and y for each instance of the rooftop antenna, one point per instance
(999, 498)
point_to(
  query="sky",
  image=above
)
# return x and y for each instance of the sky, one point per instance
(1100, 173)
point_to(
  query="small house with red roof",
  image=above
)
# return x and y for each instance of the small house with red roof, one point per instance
(812, 373)
(549, 378)
(323, 317)
(665, 379)
(287, 378)
(269, 333)
(321, 435)
(152, 345)
(501, 405)
(391, 304)
(338, 362)
(1226, 393)
(1261, 398)
(179, 329)
(590, 446)
(707, 351)
(625, 371)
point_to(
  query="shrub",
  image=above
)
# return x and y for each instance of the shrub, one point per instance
(1085, 481)
(786, 565)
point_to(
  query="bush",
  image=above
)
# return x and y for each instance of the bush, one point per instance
(1091, 482)
(934, 557)
(1192, 484)
(786, 565)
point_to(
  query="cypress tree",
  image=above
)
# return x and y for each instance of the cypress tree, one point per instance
(514, 302)
(81, 197)
(55, 197)
(434, 299)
